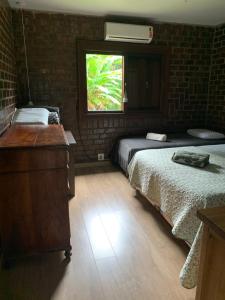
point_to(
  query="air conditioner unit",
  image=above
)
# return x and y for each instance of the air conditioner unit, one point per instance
(128, 33)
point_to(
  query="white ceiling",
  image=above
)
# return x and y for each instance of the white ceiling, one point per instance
(204, 12)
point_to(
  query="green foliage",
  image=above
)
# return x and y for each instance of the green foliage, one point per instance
(104, 82)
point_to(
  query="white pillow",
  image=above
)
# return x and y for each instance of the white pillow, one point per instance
(156, 137)
(206, 134)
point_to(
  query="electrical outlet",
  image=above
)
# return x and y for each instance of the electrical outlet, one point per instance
(101, 156)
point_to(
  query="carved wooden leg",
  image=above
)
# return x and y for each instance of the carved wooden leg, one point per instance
(68, 252)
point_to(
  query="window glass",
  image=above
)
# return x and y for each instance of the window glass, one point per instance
(104, 82)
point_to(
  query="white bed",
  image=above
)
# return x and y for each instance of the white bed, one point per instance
(179, 191)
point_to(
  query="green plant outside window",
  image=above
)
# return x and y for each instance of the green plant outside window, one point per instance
(104, 82)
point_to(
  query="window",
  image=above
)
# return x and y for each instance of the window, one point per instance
(122, 78)
(104, 78)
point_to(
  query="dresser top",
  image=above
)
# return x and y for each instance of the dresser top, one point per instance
(214, 218)
(30, 136)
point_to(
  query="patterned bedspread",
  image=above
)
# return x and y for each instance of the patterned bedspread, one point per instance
(180, 191)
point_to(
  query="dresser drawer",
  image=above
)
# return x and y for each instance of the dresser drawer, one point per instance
(33, 159)
(34, 214)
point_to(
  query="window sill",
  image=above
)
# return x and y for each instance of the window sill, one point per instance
(104, 114)
(123, 114)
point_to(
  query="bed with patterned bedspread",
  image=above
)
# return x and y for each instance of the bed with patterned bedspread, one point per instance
(179, 191)
(126, 147)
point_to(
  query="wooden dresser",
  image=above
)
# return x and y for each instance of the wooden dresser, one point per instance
(34, 214)
(211, 281)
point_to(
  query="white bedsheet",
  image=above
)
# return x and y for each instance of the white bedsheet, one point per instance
(180, 191)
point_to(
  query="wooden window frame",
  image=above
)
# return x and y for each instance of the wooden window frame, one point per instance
(117, 48)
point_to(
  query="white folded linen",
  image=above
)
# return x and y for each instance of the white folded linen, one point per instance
(28, 116)
(156, 137)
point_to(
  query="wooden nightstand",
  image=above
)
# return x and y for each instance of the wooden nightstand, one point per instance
(211, 281)
(71, 141)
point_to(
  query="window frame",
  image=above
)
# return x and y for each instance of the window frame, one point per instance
(117, 48)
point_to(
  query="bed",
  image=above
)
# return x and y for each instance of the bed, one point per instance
(125, 148)
(179, 191)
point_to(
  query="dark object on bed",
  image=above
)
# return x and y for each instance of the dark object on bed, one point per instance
(191, 158)
(126, 147)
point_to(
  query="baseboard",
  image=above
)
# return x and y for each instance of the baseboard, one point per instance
(104, 163)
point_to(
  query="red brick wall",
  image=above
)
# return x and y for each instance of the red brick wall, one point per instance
(216, 107)
(51, 45)
(7, 66)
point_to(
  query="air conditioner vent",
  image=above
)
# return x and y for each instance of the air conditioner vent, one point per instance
(128, 33)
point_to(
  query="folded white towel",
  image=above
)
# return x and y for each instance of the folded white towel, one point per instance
(28, 116)
(156, 137)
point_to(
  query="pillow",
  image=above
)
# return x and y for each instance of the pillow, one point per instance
(156, 137)
(206, 134)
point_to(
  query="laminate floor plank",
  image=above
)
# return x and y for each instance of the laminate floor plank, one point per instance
(122, 250)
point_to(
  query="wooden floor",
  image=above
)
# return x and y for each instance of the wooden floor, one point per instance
(122, 249)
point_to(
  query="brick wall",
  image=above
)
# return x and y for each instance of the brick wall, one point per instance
(216, 107)
(189, 72)
(7, 66)
(51, 45)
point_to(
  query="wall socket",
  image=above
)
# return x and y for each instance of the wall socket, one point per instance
(101, 156)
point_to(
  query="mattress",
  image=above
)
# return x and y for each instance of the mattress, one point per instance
(179, 191)
(125, 148)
